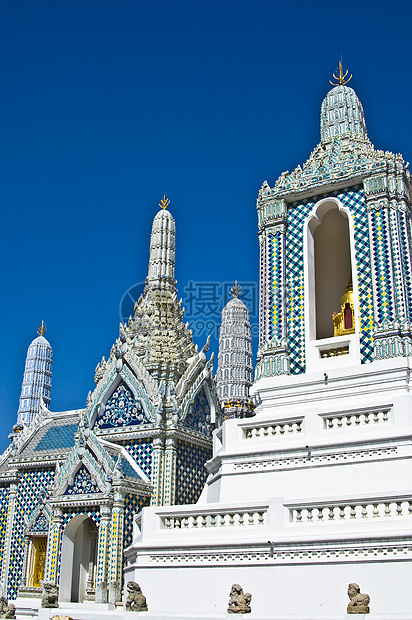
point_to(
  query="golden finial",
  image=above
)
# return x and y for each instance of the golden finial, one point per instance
(341, 77)
(41, 330)
(164, 203)
(235, 290)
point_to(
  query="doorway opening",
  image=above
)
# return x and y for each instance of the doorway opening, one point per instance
(78, 560)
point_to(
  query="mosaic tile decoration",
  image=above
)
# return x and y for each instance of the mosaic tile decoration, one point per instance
(82, 483)
(353, 199)
(121, 409)
(41, 525)
(141, 452)
(133, 505)
(31, 484)
(276, 292)
(4, 503)
(128, 470)
(382, 264)
(198, 415)
(191, 472)
(405, 249)
(57, 437)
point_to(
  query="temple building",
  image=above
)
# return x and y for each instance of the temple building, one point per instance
(313, 492)
(71, 482)
(306, 496)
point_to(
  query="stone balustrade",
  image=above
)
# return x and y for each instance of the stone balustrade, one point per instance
(200, 519)
(357, 418)
(281, 427)
(352, 510)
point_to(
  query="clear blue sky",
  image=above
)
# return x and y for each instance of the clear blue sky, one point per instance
(107, 104)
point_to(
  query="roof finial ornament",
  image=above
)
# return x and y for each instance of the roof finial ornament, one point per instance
(235, 290)
(341, 77)
(165, 202)
(41, 330)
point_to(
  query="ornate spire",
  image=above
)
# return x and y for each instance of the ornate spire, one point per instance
(162, 249)
(234, 372)
(36, 379)
(342, 114)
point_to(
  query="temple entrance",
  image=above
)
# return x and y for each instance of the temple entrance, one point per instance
(78, 560)
(37, 561)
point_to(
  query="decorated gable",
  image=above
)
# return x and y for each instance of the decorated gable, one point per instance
(82, 483)
(198, 417)
(121, 409)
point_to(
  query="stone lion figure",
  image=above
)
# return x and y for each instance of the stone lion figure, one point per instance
(6, 610)
(136, 600)
(239, 603)
(50, 594)
(358, 602)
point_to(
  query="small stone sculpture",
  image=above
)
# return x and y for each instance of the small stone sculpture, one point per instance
(50, 594)
(358, 602)
(61, 618)
(136, 601)
(6, 610)
(239, 603)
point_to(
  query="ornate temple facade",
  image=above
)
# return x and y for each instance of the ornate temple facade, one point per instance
(313, 492)
(71, 482)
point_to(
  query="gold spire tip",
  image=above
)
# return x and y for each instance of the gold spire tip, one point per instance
(341, 77)
(41, 330)
(164, 203)
(235, 290)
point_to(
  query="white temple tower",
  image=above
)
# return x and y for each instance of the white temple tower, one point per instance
(36, 379)
(314, 492)
(234, 371)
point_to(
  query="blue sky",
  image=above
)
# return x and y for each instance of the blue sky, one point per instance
(107, 105)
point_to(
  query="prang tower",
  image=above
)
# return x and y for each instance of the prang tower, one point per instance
(234, 371)
(36, 379)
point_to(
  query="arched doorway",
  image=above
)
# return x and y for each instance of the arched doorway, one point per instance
(78, 560)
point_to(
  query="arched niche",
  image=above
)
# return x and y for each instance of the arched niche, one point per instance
(79, 553)
(328, 266)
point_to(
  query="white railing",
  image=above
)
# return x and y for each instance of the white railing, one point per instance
(279, 427)
(352, 510)
(357, 418)
(202, 519)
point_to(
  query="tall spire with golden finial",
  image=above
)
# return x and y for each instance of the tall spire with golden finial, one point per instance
(161, 273)
(37, 376)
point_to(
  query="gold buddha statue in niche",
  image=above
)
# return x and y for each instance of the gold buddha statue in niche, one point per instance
(344, 321)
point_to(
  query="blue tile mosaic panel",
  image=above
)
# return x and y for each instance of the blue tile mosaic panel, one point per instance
(198, 417)
(4, 504)
(191, 472)
(141, 452)
(353, 199)
(57, 437)
(31, 484)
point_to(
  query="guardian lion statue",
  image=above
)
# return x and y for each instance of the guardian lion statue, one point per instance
(6, 610)
(50, 594)
(239, 603)
(136, 601)
(359, 603)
